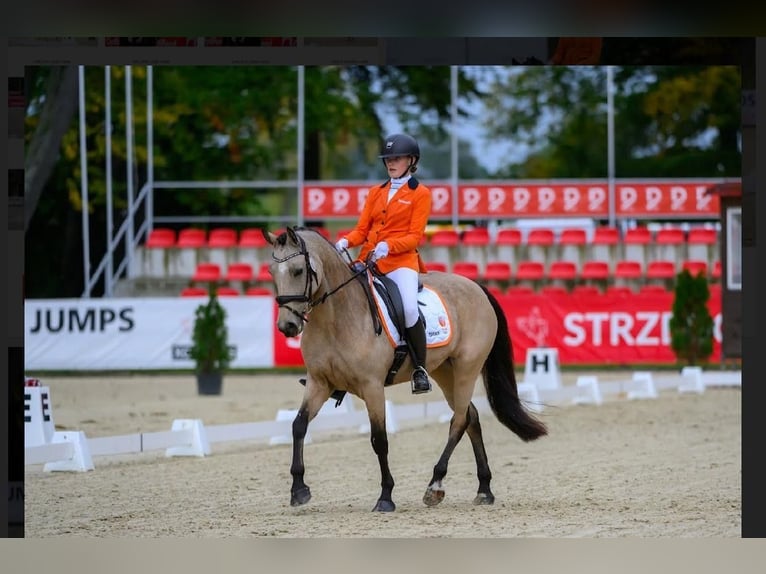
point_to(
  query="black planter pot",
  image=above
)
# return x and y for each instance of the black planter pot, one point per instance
(209, 383)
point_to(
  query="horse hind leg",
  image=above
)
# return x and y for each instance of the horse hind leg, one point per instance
(435, 491)
(484, 494)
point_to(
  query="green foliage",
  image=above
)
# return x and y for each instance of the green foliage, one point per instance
(691, 326)
(210, 347)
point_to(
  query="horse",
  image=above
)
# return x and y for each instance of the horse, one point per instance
(319, 298)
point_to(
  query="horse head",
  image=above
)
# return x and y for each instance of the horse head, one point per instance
(298, 273)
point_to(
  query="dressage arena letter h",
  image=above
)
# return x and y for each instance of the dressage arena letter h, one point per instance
(542, 368)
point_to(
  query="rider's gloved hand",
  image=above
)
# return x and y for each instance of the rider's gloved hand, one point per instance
(341, 245)
(380, 251)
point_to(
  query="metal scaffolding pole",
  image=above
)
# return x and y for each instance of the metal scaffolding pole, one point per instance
(454, 143)
(84, 186)
(109, 279)
(301, 136)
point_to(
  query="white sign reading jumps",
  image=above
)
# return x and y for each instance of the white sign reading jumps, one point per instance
(138, 333)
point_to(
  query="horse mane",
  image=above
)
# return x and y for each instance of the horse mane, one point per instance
(282, 239)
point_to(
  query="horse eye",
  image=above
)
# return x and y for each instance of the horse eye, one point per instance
(297, 272)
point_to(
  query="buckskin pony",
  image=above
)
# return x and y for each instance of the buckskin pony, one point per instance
(345, 350)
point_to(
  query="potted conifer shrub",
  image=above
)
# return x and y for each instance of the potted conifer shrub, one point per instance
(691, 325)
(210, 348)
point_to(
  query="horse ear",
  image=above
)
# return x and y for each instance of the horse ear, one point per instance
(291, 233)
(268, 235)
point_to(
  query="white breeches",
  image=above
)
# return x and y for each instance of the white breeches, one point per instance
(407, 281)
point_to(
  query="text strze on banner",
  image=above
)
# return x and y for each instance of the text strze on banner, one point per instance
(606, 329)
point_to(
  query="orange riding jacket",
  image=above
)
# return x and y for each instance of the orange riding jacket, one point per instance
(400, 223)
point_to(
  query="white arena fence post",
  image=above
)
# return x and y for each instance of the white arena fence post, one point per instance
(588, 391)
(194, 436)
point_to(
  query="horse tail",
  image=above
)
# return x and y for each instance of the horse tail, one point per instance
(500, 383)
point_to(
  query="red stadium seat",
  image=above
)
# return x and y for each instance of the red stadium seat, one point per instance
(565, 270)
(627, 269)
(228, 292)
(508, 237)
(638, 236)
(436, 266)
(542, 237)
(572, 236)
(606, 235)
(520, 290)
(586, 290)
(661, 270)
(716, 272)
(207, 272)
(496, 291)
(478, 236)
(264, 274)
(554, 291)
(530, 270)
(619, 291)
(596, 270)
(702, 236)
(255, 291)
(161, 238)
(192, 237)
(497, 271)
(239, 272)
(194, 292)
(670, 236)
(252, 237)
(467, 269)
(653, 290)
(444, 238)
(695, 267)
(222, 237)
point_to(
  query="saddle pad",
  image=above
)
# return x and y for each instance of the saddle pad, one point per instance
(438, 324)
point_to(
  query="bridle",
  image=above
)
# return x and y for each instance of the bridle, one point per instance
(311, 279)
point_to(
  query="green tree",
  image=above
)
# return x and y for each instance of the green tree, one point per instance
(691, 326)
(212, 124)
(670, 121)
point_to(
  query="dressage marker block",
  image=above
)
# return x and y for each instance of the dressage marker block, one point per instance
(196, 444)
(38, 416)
(59, 451)
(542, 368)
(644, 386)
(589, 392)
(694, 382)
(80, 459)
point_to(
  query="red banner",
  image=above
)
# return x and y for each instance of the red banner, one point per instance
(675, 198)
(586, 329)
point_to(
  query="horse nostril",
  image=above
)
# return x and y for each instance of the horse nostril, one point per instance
(289, 329)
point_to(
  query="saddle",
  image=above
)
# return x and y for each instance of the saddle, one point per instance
(389, 294)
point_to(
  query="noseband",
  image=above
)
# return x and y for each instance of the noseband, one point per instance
(311, 278)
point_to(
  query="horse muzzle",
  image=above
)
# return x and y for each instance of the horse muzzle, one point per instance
(290, 328)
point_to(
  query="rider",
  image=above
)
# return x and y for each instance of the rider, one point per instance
(390, 228)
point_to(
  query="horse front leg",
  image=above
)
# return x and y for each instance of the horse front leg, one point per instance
(313, 399)
(379, 439)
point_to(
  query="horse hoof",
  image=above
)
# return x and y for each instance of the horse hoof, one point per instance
(384, 506)
(433, 497)
(300, 496)
(484, 498)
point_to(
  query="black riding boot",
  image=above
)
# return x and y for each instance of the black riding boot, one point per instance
(416, 335)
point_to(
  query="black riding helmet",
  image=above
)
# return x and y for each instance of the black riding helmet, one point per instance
(401, 145)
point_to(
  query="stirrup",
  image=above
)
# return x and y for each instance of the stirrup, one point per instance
(420, 382)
